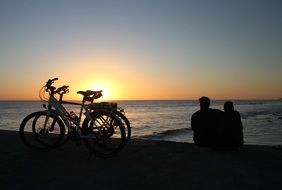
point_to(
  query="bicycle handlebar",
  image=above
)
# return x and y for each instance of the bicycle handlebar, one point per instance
(51, 81)
(55, 79)
(49, 85)
(89, 95)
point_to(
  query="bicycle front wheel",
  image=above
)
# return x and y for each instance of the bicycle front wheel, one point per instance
(42, 132)
(104, 134)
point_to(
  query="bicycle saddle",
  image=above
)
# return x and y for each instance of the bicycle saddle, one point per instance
(89, 92)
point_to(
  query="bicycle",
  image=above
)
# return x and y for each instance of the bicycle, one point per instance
(119, 112)
(101, 130)
(112, 107)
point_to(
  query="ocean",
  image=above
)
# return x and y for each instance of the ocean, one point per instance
(170, 120)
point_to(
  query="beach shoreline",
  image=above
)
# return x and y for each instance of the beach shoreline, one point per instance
(142, 164)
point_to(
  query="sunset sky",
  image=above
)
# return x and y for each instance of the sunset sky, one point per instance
(142, 49)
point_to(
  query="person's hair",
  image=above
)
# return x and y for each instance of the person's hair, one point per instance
(228, 106)
(204, 102)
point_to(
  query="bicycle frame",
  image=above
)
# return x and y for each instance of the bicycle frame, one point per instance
(65, 115)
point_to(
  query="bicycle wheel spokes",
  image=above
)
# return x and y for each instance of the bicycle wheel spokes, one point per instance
(106, 134)
(36, 135)
(102, 121)
(46, 130)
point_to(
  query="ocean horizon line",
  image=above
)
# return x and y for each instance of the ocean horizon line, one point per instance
(142, 100)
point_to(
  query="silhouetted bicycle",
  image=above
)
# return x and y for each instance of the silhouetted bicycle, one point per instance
(102, 130)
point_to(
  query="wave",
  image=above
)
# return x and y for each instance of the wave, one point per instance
(255, 103)
(167, 133)
(246, 115)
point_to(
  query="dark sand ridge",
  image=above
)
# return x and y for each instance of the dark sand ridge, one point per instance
(141, 165)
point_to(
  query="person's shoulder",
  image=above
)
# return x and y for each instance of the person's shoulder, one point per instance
(233, 114)
(236, 113)
(196, 113)
(216, 111)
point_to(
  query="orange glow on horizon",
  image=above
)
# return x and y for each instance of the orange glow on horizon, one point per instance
(142, 51)
(119, 80)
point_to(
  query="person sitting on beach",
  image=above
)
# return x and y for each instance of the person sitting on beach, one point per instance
(231, 132)
(205, 124)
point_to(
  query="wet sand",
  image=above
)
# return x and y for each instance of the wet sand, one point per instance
(141, 165)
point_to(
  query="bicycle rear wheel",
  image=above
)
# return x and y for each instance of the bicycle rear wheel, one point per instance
(126, 124)
(104, 135)
(34, 135)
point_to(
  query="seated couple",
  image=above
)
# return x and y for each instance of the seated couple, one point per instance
(215, 128)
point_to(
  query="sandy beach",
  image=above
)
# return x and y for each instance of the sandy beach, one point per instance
(141, 165)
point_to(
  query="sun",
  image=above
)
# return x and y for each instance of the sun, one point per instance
(105, 91)
(110, 89)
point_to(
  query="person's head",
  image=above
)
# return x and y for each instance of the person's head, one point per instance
(228, 106)
(204, 103)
